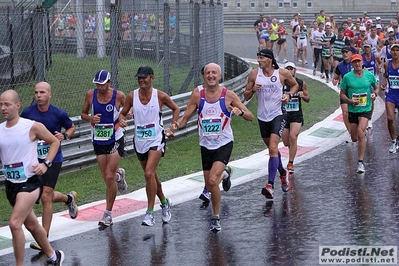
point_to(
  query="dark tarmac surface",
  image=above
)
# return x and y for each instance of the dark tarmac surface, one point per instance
(329, 204)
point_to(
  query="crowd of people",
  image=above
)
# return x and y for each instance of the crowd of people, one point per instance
(325, 37)
(138, 26)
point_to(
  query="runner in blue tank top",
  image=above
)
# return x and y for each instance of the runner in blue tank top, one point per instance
(104, 104)
(390, 82)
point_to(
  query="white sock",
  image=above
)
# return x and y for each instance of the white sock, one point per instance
(225, 174)
(53, 257)
(109, 213)
(119, 178)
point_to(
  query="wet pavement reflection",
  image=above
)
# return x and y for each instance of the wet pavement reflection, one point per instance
(330, 204)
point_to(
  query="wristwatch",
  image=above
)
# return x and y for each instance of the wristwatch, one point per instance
(66, 137)
(48, 163)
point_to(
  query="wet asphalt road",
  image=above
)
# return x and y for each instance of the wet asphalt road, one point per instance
(329, 205)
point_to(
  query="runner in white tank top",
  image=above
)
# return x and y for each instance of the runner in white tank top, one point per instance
(267, 82)
(215, 106)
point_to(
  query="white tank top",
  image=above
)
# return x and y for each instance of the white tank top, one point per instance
(148, 123)
(269, 96)
(17, 152)
(214, 122)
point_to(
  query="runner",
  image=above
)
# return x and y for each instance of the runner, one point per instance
(104, 103)
(294, 115)
(267, 82)
(390, 82)
(53, 118)
(149, 137)
(215, 106)
(355, 89)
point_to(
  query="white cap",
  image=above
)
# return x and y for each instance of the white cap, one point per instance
(289, 64)
(281, 21)
(390, 29)
(328, 24)
(394, 45)
(377, 18)
(108, 14)
(369, 21)
(378, 26)
(362, 28)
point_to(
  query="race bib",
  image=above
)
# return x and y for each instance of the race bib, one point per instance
(14, 171)
(370, 69)
(146, 132)
(362, 98)
(302, 35)
(103, 132)
(292, 105)
(283, 36)
(211, 126)
(42, 149)
(394, 82)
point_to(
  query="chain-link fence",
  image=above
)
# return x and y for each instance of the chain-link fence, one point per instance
(67, 45)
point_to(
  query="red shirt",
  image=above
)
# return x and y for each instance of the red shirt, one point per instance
(349, 33)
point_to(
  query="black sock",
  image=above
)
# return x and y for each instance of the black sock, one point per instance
(69, 200)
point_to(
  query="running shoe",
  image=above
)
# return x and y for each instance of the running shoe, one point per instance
(73, 208)
(149, 219)
(285, 60)
(290, 167)
(166, 215)
(106, 220)
(215, 225)
(370, 125)
(322, 76)
(122, 185)
(268, 191)
(360, 168)
(34, 245)
(327, 80)
(206, 198)
(394, 147)
(306, 62)
(285, 183)
(226, 181)
(314, 72)
(60, 258)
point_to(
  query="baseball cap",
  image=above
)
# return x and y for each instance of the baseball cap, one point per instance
(367, 43)
(328, 24)
(362, 28)
(346, 48)
(108, 14)
(356, 57)
(289, 64)
(144, 71)
(378, 26)
(369, 21)
(395, 45)
(297, 14)
(390, 29)
(281, 21)
(102, 77)
(269, 53)
(377, 18)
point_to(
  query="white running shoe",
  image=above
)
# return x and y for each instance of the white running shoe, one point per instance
(394, 147)
(148, 219)
(360, 168)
